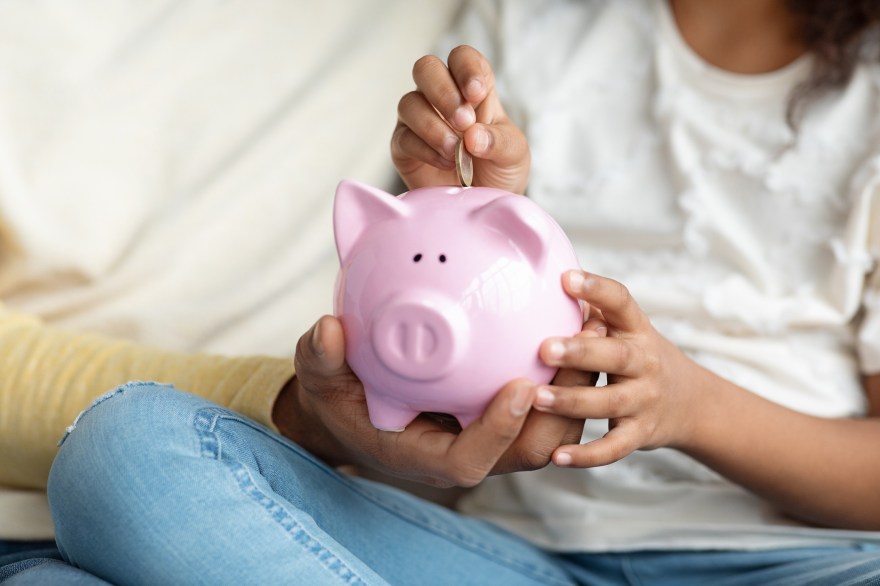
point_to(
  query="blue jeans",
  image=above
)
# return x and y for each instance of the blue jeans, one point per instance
(156, 486)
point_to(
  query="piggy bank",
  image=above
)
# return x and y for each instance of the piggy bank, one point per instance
(445, 295)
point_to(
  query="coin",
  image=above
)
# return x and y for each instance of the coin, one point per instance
(464, 165)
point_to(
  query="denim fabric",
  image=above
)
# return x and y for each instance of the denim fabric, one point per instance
(44, 571)
(13, 551)
(156, 486)
(824, 566)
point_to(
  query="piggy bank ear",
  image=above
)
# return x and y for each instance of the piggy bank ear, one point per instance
(357, 206)
(517, 218)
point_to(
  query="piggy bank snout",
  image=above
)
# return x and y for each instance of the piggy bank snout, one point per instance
(419, 337)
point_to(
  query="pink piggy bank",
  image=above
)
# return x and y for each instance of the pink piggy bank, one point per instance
(445, 295)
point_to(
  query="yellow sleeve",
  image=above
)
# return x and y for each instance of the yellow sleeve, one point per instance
(47, 376)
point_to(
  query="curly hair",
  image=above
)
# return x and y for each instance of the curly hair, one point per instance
(840, 34)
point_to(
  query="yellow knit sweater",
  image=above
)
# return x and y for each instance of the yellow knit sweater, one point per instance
(48, 375)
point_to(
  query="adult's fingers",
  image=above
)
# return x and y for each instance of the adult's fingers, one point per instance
(479, 446)
(321, 350)
(541, 434)
(464, 459)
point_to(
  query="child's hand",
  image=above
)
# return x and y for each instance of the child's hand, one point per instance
(450, 102)
(647, 398)
(543, 432)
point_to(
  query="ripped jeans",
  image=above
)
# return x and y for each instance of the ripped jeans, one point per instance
(156, 486)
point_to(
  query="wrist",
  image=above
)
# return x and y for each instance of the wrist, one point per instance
(715, 416)
(700, 405)
(290, 416)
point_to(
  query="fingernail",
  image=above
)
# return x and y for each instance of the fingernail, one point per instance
(521, 400)
(562, 459)
(450, 143)
(316, 340)
(556, 351)
(576, 281)
(545, 397)
(482, 140)
(464, 117)
(599, 332)
(473, 89)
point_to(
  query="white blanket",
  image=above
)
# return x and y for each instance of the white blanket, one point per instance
(167, 168)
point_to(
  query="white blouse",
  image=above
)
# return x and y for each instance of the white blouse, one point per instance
(749, 244)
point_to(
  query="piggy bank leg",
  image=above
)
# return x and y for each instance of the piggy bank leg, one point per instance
(388, 416)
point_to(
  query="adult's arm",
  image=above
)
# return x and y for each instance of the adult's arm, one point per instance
(49, 375)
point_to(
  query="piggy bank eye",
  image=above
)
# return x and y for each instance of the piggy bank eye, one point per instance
(417, 257)
(442, 258)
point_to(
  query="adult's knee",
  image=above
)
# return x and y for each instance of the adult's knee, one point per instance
(115, 455)
(125, 424)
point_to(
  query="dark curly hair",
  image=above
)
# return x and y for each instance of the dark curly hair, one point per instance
(840, 34)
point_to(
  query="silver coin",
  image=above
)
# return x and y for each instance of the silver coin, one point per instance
(464, 165)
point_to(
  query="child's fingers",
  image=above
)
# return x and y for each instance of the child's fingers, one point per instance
(608, 402)
(409, 152)
(503, 143)
(571, 377)
(436, 83)
(613, 355)
(594, 327)
(612, 298)
(472, 74)
(416, 114)
(613, 446)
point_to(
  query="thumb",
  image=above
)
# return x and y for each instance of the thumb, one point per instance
(321, 350)
(501, 156)
(502, 143)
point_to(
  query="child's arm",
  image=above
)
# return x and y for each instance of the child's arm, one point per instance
(823, 470)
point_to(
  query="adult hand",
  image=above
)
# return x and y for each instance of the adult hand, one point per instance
(456, 100)
(325, 411)
(648, 397)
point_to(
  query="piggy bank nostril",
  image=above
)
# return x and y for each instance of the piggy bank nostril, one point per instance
(416, 341)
